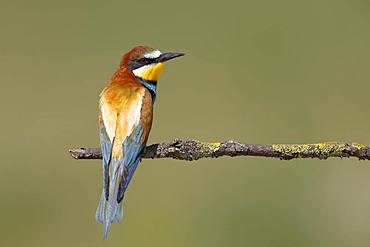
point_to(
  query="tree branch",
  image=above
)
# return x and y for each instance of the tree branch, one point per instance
(194, 150)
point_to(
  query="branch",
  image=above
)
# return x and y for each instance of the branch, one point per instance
(194, 150)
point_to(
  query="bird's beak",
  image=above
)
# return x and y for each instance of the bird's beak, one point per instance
(168, 56)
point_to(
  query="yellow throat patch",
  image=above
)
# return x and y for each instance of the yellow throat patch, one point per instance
(150, 72)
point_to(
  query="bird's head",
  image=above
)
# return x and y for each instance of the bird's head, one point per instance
(147, 63)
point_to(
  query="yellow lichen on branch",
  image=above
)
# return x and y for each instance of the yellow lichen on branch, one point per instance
(319, 150)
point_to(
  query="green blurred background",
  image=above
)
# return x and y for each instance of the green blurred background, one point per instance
(256, 71)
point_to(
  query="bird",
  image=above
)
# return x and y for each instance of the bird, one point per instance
(125, 120)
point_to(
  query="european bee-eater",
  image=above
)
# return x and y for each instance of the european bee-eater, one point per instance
(125, 119)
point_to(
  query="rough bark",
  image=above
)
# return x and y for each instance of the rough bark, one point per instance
(194, 150)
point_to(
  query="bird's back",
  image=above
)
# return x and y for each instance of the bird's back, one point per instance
(125, 118)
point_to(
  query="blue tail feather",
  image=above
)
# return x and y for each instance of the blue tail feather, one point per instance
(109, 209)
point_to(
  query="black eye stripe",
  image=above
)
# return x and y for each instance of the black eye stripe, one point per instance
(137, 63)
(145, 60)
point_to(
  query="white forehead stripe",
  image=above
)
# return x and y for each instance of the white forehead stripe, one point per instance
(153, 54)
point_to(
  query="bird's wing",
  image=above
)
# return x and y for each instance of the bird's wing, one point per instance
(107, 126)
(122, 123)
(133, 147)
(134, 144)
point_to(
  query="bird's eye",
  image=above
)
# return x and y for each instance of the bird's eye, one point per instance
(143, 60)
